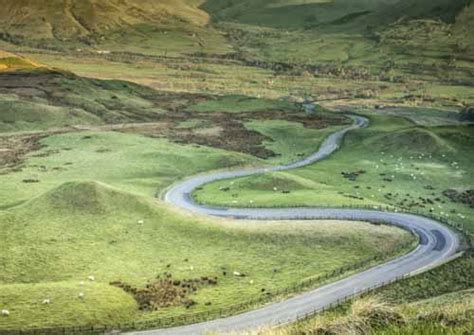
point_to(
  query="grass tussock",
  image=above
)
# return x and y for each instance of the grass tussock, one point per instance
(364, 316)
(448, 314)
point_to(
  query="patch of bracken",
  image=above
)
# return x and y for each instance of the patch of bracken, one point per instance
(465, 197)
(166, 291)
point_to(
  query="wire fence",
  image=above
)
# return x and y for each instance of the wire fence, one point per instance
(226, 311)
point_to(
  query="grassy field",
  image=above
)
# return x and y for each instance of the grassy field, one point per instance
(290, 140)
(240, 104)
(392, 163)
(131, 162)
(82, 229)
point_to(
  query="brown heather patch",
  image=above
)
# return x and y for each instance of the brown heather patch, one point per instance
(227, 130)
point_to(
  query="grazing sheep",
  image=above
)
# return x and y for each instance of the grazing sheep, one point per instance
(81, 295)
(141, 222)
(91, 278)
(5, 312)
(46, 301)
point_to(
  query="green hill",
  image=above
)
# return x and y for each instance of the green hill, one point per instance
(83, 229)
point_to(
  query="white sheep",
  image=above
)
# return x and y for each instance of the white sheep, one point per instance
(46, 301)
(5, 312)
(81, 295)
(91, 278)
(141, 222)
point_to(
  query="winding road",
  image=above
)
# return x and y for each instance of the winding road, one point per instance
(437, 243)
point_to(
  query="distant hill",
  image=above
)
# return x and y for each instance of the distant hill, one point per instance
(186, 26)
(298, 13)
(65, 19)
(288, 13)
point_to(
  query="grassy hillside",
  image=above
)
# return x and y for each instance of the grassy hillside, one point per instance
(64, 19)
(131, 162)
(165, 27)
(42, 99)
(83, 229)
(425, 39)
(288, 13)
(324, 13)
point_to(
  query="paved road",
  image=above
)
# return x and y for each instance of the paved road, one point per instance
(437, 244)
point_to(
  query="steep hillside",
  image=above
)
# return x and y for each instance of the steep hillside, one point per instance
(63, 19)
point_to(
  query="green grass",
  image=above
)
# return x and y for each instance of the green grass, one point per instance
(454, 276)
(239, 104)
(424, 161)
(131, 162)
(101, 304)
(290, 140)
(168, 40)
(79, 229)
(450, 314)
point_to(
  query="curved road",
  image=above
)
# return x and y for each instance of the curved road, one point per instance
(437, 243)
